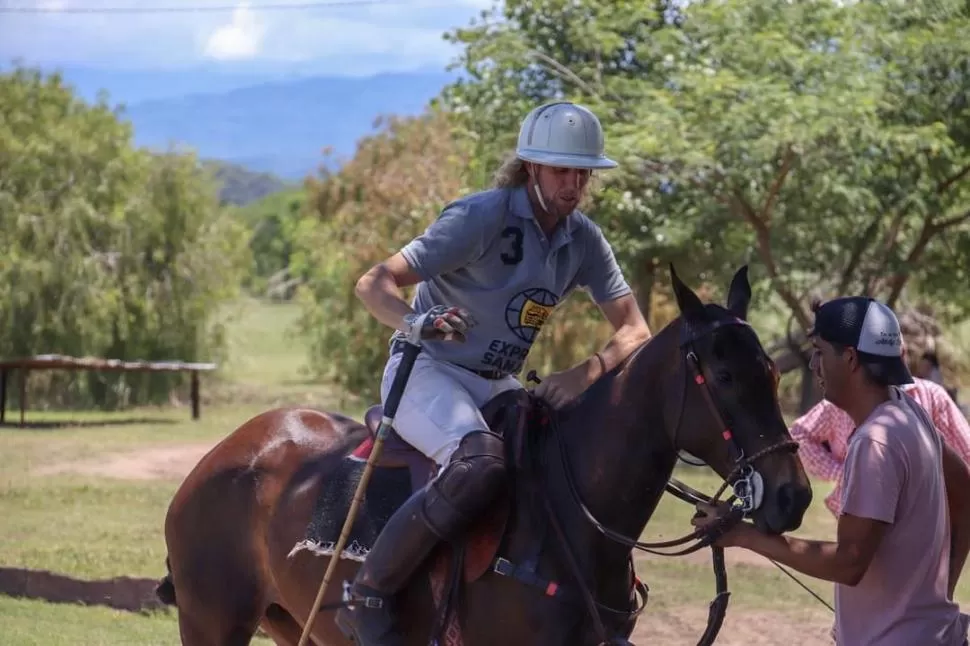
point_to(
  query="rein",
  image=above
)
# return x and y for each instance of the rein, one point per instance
(742, 501)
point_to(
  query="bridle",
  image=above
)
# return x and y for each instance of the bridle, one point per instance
(746, 483)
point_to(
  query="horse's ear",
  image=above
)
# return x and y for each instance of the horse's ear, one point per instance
(739, 294)
(688, 302)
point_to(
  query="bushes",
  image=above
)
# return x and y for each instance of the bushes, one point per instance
(108, 250)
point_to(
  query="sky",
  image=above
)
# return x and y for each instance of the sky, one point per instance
(386, 36)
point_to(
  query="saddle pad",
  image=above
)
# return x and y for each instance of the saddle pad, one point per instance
(387, 490)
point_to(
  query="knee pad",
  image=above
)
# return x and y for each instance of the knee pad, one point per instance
(473, 479)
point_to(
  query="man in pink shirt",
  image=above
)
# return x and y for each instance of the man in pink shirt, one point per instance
(904, 521)
(823, 433)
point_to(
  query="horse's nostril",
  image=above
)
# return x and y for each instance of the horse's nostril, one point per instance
(786, 498)
(792, 501)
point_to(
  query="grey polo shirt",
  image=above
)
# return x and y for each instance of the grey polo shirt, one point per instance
(488, 254)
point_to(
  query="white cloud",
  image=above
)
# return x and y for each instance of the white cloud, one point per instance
(241, 37)
(341, 40)
(325, 38)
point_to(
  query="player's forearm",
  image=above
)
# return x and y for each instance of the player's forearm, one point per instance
(383, 298)
(624, 341)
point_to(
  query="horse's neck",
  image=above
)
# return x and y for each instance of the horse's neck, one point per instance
(619, 449)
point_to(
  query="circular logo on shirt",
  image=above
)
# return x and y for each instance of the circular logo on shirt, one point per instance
(528, 310)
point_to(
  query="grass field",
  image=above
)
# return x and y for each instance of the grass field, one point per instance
(89, 501)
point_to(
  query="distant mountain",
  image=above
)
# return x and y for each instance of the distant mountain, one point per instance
(130, 86)
(281, 127)
(126, 86)
(266, 119)
(240, 186)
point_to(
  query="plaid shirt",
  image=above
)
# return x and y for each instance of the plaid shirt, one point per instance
(825, 422)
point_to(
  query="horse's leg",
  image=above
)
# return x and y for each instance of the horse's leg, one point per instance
(217, 569)
(298, 580)
(220, 606)
(202, 630)
(282, 628)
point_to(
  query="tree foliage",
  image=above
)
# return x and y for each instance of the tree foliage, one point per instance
(825, 143)
(759, 120)
(273, 222)
(395, 185)
(107, 250)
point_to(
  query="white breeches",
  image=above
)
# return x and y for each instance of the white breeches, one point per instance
(441, 404)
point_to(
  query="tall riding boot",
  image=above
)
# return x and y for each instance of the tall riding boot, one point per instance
(399, 551)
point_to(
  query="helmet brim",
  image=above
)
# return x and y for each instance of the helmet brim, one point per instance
(563, 160)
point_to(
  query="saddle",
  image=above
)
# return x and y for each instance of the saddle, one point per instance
(510, 414)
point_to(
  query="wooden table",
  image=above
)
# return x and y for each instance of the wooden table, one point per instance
(60, 362)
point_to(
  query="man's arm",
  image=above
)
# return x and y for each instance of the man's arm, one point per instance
(957, 479)
(380, 291)
(630, 330)
(844, 561)
(869, 503)
(600, 275)
(448, 242)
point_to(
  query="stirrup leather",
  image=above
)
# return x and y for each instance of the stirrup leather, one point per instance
(352, 599)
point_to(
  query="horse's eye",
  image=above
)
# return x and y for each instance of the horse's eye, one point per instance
(724, 377)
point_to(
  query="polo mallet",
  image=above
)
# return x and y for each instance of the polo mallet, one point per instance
(411, 351)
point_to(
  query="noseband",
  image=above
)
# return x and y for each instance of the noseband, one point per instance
(746, 483)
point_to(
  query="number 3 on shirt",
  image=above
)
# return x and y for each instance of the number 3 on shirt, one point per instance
(515, 256)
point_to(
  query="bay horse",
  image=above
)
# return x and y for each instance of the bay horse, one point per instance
(245, 529)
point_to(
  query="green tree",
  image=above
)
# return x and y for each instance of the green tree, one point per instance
(528, 53)
(272, 222)
(108, 250)
(396, 184)
(825, 143)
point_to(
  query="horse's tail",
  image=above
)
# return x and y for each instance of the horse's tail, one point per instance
(165, 590)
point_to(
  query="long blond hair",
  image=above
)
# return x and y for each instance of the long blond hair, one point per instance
(512, 174)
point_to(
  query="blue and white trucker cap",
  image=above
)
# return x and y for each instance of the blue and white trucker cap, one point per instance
(871, 328)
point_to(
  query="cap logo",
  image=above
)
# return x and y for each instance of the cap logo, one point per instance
(880, 334)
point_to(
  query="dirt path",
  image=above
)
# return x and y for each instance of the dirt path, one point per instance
(683, 626)
(171, 462)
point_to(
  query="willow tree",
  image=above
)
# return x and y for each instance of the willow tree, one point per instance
(107, 250)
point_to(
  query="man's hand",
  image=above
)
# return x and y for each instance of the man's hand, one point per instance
(708, 516)
(441, 322)
(560, 388)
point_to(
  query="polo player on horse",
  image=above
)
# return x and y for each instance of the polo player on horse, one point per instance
(489, 272)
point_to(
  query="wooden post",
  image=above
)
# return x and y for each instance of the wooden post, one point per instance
(23, 394)
(196, 412)
(3, 394)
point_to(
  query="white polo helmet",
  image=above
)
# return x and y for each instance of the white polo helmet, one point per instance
(563, 134)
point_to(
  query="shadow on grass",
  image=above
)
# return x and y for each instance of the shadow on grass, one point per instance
(46, 425)
(120, 593)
